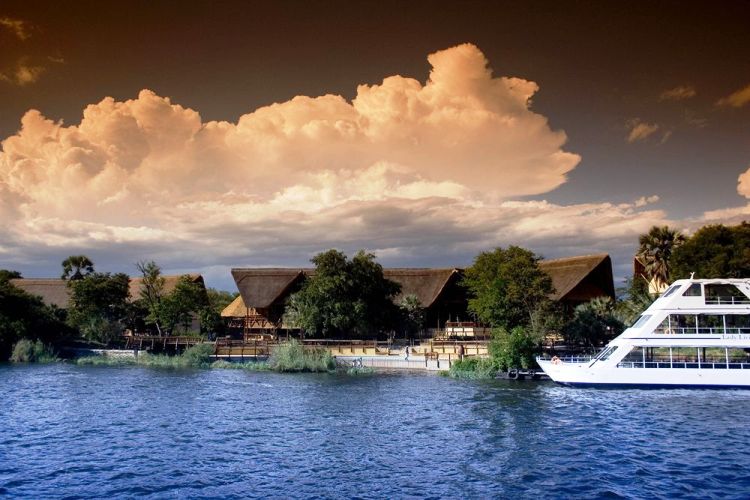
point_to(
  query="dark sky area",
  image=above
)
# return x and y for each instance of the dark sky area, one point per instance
(601, 66)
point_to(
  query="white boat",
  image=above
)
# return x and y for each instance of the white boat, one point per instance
(696, 334)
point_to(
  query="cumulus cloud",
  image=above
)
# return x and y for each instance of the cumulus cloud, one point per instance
(640, 131)
(743, 184)
(678, 93)
(406, 169)
(737, 99)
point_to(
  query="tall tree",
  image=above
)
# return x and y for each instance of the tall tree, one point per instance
(99, 305)
(508, 288)
(76, 267)
(152, 290)
(655, 250)
(344, 297)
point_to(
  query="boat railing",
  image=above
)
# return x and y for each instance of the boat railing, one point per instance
(568, 359)
(707, 364)
(726, 300)
(702, 330)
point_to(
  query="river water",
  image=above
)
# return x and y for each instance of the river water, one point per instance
(68, 431)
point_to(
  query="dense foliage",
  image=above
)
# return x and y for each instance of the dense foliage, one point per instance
(594, 323)
(344, 297)
(172, 312)
(76, 267)
(412, 316)
(99, 305)
(23, 316)
(507, 287)
(715, 251)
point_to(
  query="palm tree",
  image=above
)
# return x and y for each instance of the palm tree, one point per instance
(655, 251)
(76, 267)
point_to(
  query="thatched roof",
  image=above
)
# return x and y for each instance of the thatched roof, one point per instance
(52, 291)
(234, 310)
(425, 284)
(170, 282)
(261, 287)
(569, 275)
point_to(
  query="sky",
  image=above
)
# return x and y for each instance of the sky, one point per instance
(212, 135)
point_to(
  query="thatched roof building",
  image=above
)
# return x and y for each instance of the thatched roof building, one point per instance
(52, 291)
(580, 279)
(263, 292)
(56, 292)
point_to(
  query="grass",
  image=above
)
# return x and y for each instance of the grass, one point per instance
(293, 357)
(26, 351)
(288, 357)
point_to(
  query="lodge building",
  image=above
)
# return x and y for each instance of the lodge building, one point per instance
(259, 308)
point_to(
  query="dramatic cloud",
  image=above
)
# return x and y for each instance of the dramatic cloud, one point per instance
(737, 99)
(410, 170)
(640, 131)
(19, 28)
(743, 184)
(679, 93)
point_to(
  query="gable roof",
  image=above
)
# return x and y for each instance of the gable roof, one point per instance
(567, 273)
(235, 309)
(261, 287)
(52, 291)
(426, 284)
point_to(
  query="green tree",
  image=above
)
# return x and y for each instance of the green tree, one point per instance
(513, 349)
(76, 267)
(26, 316)
(344, 297)
(593, 323)
(715, 251)
(655, 250)
(152, 291)
(6, 275)
(508, 288)
(181, 305)
(99, 305)
(219, 299)
(412, 315)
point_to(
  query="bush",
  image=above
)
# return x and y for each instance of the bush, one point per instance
(514, 349)
(474, 368)
(293, 357)
(26, 351)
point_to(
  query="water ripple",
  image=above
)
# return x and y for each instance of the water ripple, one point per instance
(92, 432)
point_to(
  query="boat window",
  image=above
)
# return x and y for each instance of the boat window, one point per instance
(725, 294)
(606, 353)
(736, 355)
(682, 324)
(738, 323)
(672, 289)
(710, 324)
(693, 291)
(641, 321)
(636, 355)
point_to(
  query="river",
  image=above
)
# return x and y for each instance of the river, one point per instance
(69, 431)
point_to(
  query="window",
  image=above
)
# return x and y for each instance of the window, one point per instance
(672, 289)
(606, 353)
(738, 323)
(725, 294)
(710, 323)
(641, 321)
(693, 291)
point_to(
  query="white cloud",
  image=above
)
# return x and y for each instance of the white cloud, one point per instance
(640, 131)
(419, 171)
(736, 99)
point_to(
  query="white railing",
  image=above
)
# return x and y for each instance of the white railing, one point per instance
(728, 300)
(707, 365)
(703, 330)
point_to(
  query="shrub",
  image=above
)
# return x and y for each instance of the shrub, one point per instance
(514, 349)
(293, 357)
(474, 368)
(26, 351)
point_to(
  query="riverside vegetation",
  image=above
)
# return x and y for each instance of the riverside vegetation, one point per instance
(351, 298)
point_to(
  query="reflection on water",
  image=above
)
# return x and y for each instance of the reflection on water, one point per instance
(87, 431)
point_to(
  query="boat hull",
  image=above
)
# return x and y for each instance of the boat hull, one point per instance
(575, 374)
